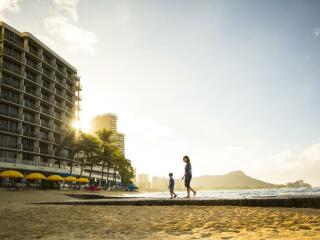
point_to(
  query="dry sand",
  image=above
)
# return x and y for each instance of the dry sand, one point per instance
(26, 221)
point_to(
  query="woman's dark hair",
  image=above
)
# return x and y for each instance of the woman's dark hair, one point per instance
(188, 159)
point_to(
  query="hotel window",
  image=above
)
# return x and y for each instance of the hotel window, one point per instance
(59, 67)
(45, 96)
(57, 115)
(8, 126)
(45, 109)
(27, 145)
(8, 110)
(46, 58)
(27, 156)
(33, 50)
(12, 66)
(30, 89)
(28, 130)
(8, 155)
(31, 63)
(8, 141)
(10, 95)
(43, 148)
(31, 76)
(11, 81)
(12, 52)
(44, 135)
(29, 117)
(12, 37)
(45, 122)
(46, 71)
(29, 103)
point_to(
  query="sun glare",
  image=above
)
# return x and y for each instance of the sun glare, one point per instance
(81, 125)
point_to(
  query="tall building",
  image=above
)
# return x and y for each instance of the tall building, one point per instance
(143, 181)
(39, 98)
(108, 121)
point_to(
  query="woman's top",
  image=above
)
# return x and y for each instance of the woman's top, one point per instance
(187, 170)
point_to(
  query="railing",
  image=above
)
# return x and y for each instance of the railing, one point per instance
(10, 98)
(30, 90)
(11, 130)
(10, 82)
(9, 114)
(29, 134)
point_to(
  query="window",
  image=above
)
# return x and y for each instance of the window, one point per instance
(10, 95)
(12, 37)
(44, 135)
(46, 71)
(8, 125)
(8, 110)
(27, 145)
(45, 122)
(43, 148)
(45, 109)
(33, 50)
(8, 141)
(31, 63)
(11, 81)
(29, 117)
(28, 130)
(59, 67)
(29, 103)
(7, 155)
(46, 58)
(27, 156)
(31, 76)
(13, 67)
(12, 52)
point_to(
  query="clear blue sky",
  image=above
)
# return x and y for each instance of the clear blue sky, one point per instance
(234, 84)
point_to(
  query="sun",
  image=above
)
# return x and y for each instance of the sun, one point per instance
(81, 125)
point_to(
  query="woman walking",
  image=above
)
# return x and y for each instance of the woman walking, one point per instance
(187, 176)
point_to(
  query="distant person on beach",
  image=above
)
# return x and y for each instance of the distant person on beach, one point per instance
(188, 176)
(171, 186)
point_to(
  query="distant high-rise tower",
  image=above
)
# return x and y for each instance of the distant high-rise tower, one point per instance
(108, 121)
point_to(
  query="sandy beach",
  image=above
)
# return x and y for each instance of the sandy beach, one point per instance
(28, 221)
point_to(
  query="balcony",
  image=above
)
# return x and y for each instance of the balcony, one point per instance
(44, 137)
(45, 110)
(11, 82)
(45, 97)
(44, 124)
(10, 130)
(30, 105)
(46, 84)
(31, 77)
(11, 98)
(9, 114)
(69, 98)
(29, 119)
(32, 64)
(30, 90)
(29, 134)
(46, 72)
(12, 53)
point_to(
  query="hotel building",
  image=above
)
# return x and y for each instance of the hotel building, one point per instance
(39, 98)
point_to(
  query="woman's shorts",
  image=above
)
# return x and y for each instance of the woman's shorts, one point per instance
(187, 181)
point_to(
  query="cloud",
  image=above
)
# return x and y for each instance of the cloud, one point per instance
(308, 159)
(316, 32)
(7, 6)
(63, 22)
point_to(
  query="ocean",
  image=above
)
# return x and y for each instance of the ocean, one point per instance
(238, 194)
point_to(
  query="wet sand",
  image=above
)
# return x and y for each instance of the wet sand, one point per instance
(28, 221)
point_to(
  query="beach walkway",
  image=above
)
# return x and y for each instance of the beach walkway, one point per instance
(96, 199)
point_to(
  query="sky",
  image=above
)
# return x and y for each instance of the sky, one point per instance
(233, 84)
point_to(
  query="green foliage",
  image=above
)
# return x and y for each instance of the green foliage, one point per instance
(99, 149)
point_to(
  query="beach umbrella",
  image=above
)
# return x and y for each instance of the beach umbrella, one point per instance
(35, 176)
(82, 180)
(11, 174)
(55, 178)
(70, 179)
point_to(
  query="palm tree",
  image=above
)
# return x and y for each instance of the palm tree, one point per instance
(70, 141)
(89, 145)
(105, 150)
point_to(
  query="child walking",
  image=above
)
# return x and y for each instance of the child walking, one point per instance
(171, 186)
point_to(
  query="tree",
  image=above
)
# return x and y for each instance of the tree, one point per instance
(89, 145)
(70, 141)
(105, 151)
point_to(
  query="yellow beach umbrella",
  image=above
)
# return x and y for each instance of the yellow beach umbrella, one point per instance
(11, 174)
(82, 180)
(55, 178)
(35, 176)
(70, 179)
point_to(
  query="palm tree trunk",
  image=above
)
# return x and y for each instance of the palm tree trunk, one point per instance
(108, 169)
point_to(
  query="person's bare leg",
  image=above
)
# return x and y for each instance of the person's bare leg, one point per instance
(188, 191)
(194, 192)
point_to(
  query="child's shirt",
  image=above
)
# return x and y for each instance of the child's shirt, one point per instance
(171, 183)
